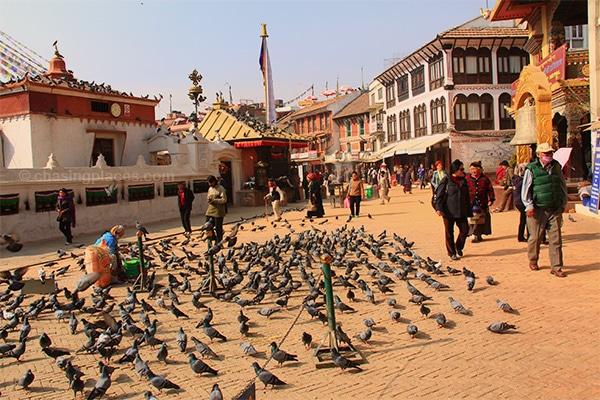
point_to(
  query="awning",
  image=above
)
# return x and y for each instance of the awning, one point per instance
(259, 143)
(412, 146)
(421, 144)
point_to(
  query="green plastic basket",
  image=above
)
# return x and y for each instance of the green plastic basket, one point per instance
(131, 267)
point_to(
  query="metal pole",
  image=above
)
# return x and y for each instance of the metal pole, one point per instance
(326, 261)
(141, 269)
(212, 284)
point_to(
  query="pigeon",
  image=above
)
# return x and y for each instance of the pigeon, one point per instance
(412, 330)
(364, 336)
(203, 349)
(76, 385)
(12, 244)
(267, 312)
(45, 340)
(142, 229)
(504, 306)
(395, 315)
(55, 353)
(162, 353)
(500, 327)
(248, 349)
(470, 281)
(369, 322)
(160, 382)
(441, 320)
(341, 306)
(199, 366)
(281, 356)
(391, 302)
(101, 385)
(571, 218)
(181, 339)
(490, 281)
(424, 310)
(266, 377)
(42, 275)
(26, 380)
(212, 333)
(86, 281)
(215, 393)
(73, 323)
(343, 362)
(15, 278)
(177, 312)
(141, 367)
(458, 308)
(148, 395)
(306, 340)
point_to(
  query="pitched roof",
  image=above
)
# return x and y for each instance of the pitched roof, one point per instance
(316, 108)
(232, 126)
(358, 106)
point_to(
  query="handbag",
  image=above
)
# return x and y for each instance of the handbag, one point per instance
(347, 202)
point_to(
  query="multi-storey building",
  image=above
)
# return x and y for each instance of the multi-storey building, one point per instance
(452, 93)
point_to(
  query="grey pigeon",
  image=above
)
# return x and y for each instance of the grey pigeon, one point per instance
(343, 362)
(281, 356)
(500, 327)
(215, 393)
(504, 306)
(365, 335)
(395, 315)
(441, 320)
(248, 349)
(412, 330)
(266, 377)
(86, 281)
(181, 339)
(199, 366)
(203, 349)
(26, 380)
(101, 386)
(369, 322)
(212, 333)
(160, 382)
(149, 396)
(162, 353)
(457, 307)
(267, 312)
(490, 280)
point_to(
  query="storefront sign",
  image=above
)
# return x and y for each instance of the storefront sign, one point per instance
(304, 155)
(596, 182)
(554, 65)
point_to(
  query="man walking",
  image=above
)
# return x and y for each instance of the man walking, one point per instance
(544, 195)
(185, 198)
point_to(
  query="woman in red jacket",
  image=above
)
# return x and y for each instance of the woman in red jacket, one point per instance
(481, 193)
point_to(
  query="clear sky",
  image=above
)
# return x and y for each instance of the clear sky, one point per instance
(151, 46)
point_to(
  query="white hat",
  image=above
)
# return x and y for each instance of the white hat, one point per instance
(544, 148)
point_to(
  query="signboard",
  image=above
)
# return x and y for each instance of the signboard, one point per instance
(553, 66)
(596, 182)
(304, 155)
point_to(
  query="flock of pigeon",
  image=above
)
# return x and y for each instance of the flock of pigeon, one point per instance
(255, 283)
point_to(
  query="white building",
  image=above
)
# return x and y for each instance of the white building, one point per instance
(452, 93)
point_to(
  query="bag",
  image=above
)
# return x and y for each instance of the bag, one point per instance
(477, 219)
(347, 202)
(313, 208)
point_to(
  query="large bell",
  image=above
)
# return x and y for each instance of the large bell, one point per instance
(526, 126)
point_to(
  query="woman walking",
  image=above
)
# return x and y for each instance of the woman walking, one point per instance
(356, 192)
(482, 197)
(66, 214)
(453, 205)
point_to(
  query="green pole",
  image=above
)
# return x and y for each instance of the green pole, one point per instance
(141, 251)
(326, 261)
(212, 284)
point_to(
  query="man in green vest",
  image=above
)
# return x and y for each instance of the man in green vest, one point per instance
(544, 195)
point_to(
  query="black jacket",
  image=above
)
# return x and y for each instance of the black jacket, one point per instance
(188, 197)
(453, 200)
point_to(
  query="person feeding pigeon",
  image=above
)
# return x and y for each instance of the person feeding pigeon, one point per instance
(109, 258)
(65, 207)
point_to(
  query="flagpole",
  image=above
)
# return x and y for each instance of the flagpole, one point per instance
(264, 37)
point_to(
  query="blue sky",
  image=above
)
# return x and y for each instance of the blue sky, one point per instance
(151, 46)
